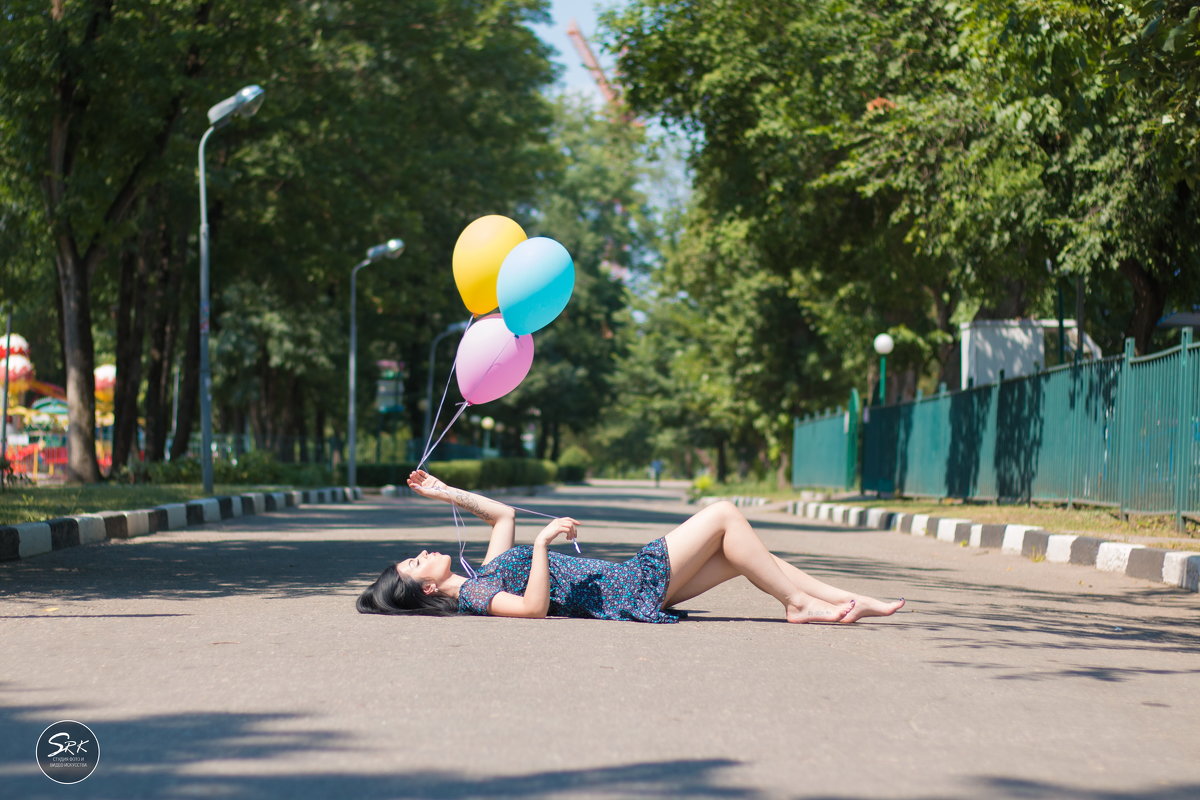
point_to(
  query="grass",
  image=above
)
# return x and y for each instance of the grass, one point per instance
(38, 503)
(1155, 530)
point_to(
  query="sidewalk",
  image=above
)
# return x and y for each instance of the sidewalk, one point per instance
(227, 661)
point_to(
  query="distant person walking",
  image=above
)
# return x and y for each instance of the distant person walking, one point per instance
(711, 547)
(656, 468)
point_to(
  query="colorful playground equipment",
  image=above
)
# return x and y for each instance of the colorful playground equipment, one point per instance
(35, 434)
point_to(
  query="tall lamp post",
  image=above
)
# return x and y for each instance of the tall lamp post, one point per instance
(884, 344)
(243, 104)
(392, 248)
(455, 328)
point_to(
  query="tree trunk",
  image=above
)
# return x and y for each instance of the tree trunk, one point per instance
(1149, 298)
(783, 475)
(131, 325)
(189, 389)
(555, 441)
(722, 460)
(164, 330)
(319, 455)
(301, 428)
(288, 424)
(79, 359)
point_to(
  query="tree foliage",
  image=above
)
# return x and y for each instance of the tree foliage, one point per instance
(380, 120)
(909, 165)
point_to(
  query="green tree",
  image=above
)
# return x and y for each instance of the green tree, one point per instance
(380, 121)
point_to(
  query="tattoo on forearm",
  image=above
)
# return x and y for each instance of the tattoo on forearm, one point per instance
(468, 502)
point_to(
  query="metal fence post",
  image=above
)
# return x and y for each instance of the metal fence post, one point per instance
(1123, 432)
(852, 419)
(1186, 409)
(1076, 411)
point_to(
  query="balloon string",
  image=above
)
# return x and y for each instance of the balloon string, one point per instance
(540, 514)
(459, 527)
(461, 408)
(442, 403)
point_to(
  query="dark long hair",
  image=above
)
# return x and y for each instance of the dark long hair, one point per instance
(393, 593)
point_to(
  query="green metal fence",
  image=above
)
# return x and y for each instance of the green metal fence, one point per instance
(1122, 431)
(825, 448)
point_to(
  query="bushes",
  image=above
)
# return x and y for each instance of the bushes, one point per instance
(465, 474)
(181, 470)
(702, 486)
(378, 474)
(258, 467)
(573, 464)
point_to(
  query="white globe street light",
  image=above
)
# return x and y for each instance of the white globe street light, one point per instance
(884, 344)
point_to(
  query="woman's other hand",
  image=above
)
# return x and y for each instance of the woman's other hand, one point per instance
(426, 485)
(563, 526)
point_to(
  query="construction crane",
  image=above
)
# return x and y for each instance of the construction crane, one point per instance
(611, 95)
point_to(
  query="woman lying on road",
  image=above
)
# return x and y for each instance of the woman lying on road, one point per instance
(530, 581)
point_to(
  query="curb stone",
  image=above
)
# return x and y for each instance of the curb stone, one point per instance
(1173, 567)
(34, 538)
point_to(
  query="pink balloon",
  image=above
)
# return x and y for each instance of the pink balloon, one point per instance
(492, 360)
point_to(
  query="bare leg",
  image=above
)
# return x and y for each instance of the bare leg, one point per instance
(864, 605)
(717, 570)
(720, 529)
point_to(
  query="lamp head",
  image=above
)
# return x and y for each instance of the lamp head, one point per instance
(392, 248)
(243, 104)
(884, 344)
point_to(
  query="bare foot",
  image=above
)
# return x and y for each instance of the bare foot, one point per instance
(814, 610)
(870, 607)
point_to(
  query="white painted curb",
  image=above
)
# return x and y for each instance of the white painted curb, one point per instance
(1114, 556)
(1058, 548)
(1014, 538)
(34, 539)
(946, 528)
(1182, 569)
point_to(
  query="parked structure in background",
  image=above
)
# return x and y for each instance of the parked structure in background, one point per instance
(1014, 347)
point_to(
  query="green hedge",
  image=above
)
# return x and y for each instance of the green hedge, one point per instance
(573, 465)
(256, 468)
(470, 475)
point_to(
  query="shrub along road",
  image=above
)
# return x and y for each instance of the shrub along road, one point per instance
(228, 661)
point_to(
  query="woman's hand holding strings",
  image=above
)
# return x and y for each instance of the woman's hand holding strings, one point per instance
(426, 485)
(563, 526)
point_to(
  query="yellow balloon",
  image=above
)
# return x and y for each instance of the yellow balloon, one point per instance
(478, 254)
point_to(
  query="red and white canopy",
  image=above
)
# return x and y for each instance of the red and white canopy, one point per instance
(15, 345)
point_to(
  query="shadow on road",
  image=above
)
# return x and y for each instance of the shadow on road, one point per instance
(158, 757)
(222, 754)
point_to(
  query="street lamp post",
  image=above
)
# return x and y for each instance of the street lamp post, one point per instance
(392, 248)
(884, 345)
(242, 104)
(454, 328)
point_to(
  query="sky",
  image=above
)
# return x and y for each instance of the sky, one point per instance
(575, 77)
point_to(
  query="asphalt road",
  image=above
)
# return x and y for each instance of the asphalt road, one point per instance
(228, 661)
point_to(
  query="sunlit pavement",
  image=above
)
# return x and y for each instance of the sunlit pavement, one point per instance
(228, 661)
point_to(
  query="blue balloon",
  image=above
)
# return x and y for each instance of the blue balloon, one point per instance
(534, 285)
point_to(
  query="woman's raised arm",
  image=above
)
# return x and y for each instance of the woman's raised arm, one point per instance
(501, 517)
